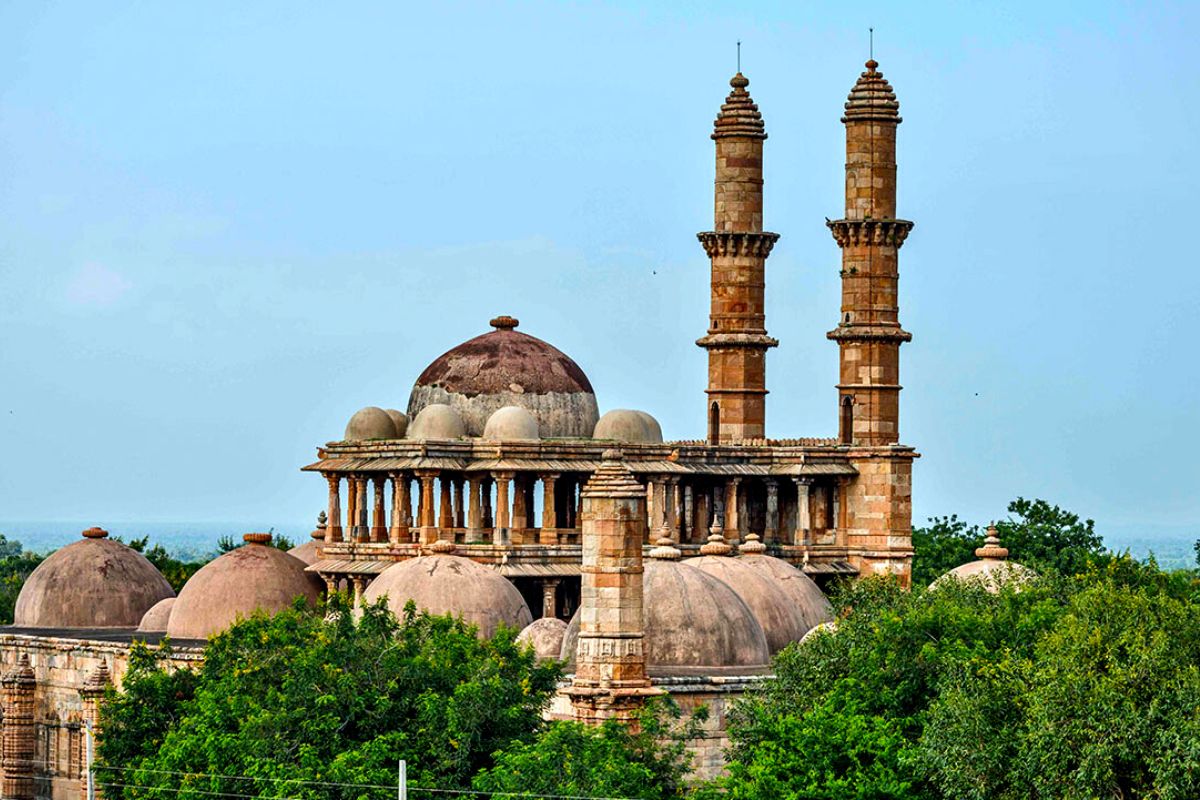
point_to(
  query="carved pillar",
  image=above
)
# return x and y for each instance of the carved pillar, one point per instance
(361, 525)
(688, 519)
(333, 531)
(803, 533)
(772, 525)
(610, 665)
(357, 581)
(733, 519)
(352, 508)
(379, 531)
(91, 693)
(520, 515)
(445, 510)
(485, 489)
(550, 597)
(674, 507)
(428, 531)
(835, 505)
(549, 532)
(400, 509)
(500, 535)
(16, 698)
(474, 510)
(457, 484)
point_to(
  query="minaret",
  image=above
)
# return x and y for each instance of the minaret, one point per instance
(868, 332)
(737, 340)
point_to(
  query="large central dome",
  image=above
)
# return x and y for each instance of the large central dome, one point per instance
(507, 368)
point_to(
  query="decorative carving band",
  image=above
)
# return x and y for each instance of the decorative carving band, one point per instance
(728, 243)
(870, 231)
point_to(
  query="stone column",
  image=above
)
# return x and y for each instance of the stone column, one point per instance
(379, 530)
(333, 531)
(688, 519)
(91, 693)
(549, 532)
(835, 506)
(357, 581)
(445, 510)
(610, 666)
(485, 497)
(520, 514)
(674, 507)
(361, 529)
(500, 535)
(803, 533)
(17, 756)
(733, 519)
(352, 508)
(457, 484)
(428, 531)
(398, 532)
(771, 533)
(474, 510)
(550, 597)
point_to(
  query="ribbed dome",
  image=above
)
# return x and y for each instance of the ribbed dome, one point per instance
(545, 636)
(370, 423)
(449, 584)
(695, 624)
(437, 421)
(806, 597)
(92, 583)
(507, 368)
(509, 423)
(254, 577)
(782, 620)
(155, 620)
(626, 425)
(739, 116)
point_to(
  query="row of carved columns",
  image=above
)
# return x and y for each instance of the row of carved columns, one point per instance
(496, 507)
(688, 508)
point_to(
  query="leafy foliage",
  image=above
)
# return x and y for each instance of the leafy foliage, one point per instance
(15, 566)
(1076, 687)
(648, 761)
(173, 569)
(307, 696)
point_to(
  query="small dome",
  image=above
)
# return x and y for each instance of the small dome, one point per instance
(509, 368)
(437, 421)
(92, 583)
(695, 624)
(781, 618)
(400, 420)
(545, 636)
(624, 425)
(992, 570)
(370, 423)
(155, 620)
(254, 577)
(510, 422)
(449, 584)
(806, 597)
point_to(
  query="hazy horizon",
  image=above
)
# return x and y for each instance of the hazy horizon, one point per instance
(224, 229)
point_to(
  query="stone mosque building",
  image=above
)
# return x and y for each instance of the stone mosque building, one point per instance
(502, 494)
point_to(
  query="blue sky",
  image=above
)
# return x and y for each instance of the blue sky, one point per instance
(224, 227)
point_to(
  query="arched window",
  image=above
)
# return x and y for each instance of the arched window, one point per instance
(714, 424)
(847, 421)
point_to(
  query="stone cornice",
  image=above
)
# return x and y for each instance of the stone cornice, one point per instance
(884, 333)
(759, 340)
(869, 231)
(737, 243)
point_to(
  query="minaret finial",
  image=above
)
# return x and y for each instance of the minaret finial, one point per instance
(871, 49)
(739, 49)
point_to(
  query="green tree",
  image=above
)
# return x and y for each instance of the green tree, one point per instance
(173, 569)
(941, 546)
(305, 702)
(15, 566)
(648, 761)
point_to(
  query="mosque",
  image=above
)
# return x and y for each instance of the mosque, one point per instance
(502, 494)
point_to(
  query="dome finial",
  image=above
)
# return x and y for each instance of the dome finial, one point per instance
(95, 533)
(991, 546)
(753, 545)
(504, 322)
(716, 544)
(256, 538)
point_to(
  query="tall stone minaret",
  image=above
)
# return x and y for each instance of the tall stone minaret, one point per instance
(868, 332)
(737, 340)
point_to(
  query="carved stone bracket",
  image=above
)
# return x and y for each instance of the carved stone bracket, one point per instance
(849, 232)
(725, 243)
